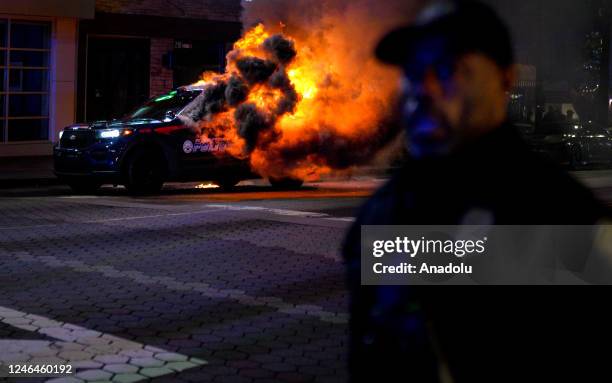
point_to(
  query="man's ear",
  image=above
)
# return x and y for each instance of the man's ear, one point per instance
(509, 77)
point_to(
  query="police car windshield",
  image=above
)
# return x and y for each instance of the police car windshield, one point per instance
(157, 108)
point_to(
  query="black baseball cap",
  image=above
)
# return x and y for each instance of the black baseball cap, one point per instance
(466, 26)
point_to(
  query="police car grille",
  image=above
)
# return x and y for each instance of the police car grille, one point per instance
(77, 139)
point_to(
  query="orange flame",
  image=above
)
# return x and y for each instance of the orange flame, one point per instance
(337, 99)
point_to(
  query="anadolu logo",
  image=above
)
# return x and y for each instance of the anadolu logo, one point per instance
(187, 147)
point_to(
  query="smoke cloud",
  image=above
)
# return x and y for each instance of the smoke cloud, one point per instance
(309, 98)
(255, 70)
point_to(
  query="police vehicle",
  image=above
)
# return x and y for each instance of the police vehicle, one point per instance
(146, 148)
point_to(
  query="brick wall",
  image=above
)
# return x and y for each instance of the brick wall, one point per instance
(220, 10)
(215, 10)
(161, 78)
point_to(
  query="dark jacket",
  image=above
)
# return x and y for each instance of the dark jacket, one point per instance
(481, 333)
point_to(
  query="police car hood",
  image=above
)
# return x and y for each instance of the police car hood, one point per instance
(113, 124)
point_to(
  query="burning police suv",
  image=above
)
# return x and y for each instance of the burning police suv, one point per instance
(144, 149)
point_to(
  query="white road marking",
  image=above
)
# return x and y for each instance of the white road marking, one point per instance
(214, 208)
(121, 202)
(283, 212)
(151, 216)
(291, 213)
(201, 288)
(342, 219)
(112, 219)
(78, 197)
(93, 355)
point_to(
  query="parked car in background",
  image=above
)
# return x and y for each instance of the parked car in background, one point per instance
(572, 144)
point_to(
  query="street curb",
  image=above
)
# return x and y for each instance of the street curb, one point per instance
(29, 182)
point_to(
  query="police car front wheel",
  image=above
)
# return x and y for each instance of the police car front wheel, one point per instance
(144, 172)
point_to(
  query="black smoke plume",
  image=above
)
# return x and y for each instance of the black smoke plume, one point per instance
(255, 125)
(237, 91)
(282, 50)
(251, 123)
(211, 101)
(288, 102)
(255, 70)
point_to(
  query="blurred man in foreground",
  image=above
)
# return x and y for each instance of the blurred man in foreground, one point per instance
(469, 166)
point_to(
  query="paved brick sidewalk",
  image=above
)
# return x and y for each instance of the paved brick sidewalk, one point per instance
(240, 295)
(26, 172)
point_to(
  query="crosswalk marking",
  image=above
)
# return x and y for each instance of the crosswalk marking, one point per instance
(93, 354)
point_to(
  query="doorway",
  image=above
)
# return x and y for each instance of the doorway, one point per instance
(117, 76)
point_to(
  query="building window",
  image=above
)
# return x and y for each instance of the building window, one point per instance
(24, 80)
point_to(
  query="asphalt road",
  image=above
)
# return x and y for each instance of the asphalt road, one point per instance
(194, 285)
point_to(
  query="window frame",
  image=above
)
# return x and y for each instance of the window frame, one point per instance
(5, 69)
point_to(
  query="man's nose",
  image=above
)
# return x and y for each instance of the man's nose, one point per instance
(431, 86)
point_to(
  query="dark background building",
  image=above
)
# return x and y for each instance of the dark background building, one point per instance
(133, 50)
(38, 40)
(566, 43)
